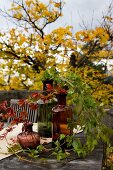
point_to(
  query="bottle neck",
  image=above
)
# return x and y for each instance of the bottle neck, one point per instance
(61, 99)
(27, 127)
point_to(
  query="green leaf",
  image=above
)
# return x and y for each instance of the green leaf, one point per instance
(13, 148)
(62, 136)
(61, 155)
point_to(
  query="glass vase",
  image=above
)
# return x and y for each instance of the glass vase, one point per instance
(28, 138)
(45, 116)
(44, 121)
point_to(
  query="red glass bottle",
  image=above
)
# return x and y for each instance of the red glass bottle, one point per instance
(61, 114)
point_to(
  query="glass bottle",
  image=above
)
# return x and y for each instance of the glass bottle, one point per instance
(61, 114)
(28, 138)
(44, 122)
(45, 116)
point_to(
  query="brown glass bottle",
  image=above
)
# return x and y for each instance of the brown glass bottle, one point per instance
(28, 138)
(61, 114)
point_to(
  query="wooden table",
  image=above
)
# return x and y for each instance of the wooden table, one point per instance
(93, 161)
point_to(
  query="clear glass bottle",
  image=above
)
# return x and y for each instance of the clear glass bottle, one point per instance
(45, 116)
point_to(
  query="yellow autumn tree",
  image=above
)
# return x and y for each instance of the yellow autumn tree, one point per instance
(26, 50)
(96, 50)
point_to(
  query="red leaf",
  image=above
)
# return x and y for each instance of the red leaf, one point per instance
(44, 98)
(36, 96)
(3, 136)
(9, 129)
(49, 87)
(10, 113)
(3, 105)
(23, 114)
(16, 121)
(61, 90)
(22, 102)
(1, 125)
(33, 106)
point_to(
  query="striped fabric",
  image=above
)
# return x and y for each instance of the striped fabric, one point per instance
(32, 114)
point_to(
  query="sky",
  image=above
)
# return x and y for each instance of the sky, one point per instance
(74, 12)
